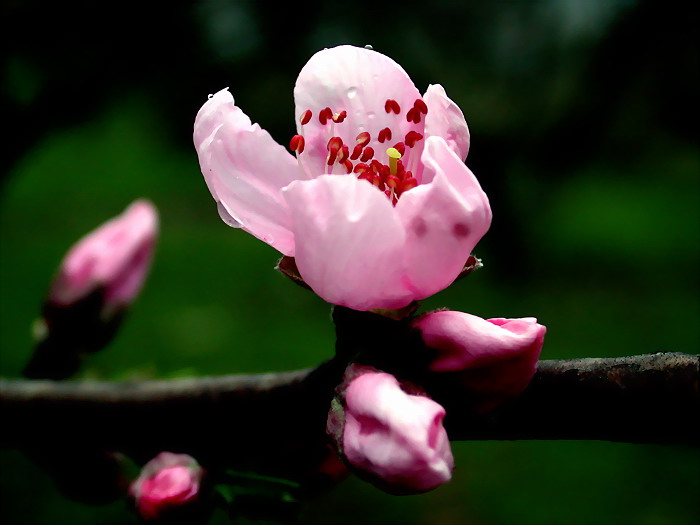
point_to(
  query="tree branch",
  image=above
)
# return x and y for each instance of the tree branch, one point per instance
(278, 420)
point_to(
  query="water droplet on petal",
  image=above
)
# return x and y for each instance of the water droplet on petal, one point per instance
(352, 92)
(269, 239)
(210, 96)
(369, 47)
(371, 115)
(226, 216)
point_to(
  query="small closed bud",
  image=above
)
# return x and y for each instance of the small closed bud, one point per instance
(168, 484)
(495, 359)
(393, 439)
(98, 279)
(113, 259)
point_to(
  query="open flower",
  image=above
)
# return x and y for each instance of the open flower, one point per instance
(377, 208)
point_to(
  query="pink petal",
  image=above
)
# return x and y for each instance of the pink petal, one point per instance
(443, 220)
(245, 170)
(396, 438)
(115, 256)
(358, 81)
(495, 358)
(349, 242)
(446, 120)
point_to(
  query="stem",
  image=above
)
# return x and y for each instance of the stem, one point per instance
(278, 420)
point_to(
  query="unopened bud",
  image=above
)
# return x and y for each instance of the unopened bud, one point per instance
(393, 439)
(168, 484)
(494, 359)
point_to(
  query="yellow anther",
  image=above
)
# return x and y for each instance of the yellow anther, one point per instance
(394, 156)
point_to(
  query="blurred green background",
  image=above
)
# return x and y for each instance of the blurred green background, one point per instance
(583, 116)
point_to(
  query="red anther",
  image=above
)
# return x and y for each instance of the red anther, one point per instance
(363, 139)
(400, 170)
(297, 143)
(339, 117)
(392, 181)
(407, 184)
(344, 154)
(356, 152)
(410, 114)
(334, 146)
(400, 147)
(375, 165)
(367, 154)
(305, 117)
(391, 105)
(324, 115)
(365, 175)
(412, 137)
(361, 168)
(419, 105)
(413, 115)
(348, 165)
(384, 135)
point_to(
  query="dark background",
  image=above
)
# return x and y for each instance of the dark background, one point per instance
(583, 116)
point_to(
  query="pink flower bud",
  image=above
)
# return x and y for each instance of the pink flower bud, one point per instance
(114, 259)
(394, 439)
(495, 358)
(169, 481)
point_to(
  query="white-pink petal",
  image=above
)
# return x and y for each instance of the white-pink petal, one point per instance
(349, 242)
(245, 170)
(443, 220)
(446, 120)
(359, 81)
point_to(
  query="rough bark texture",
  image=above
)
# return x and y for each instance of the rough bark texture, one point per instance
(279, 419)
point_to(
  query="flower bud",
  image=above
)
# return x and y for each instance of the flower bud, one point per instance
(494, 358)
(167, 484)
(393, 439)
(113, 259)
(98, 279)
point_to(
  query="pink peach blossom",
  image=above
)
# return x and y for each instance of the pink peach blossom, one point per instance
(377, 208)
(395, 439)
(495, 358)
(113, 258)
(166, 482)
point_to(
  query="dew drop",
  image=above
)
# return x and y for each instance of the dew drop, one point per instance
(352, 92)
(269, 239)
(369, 47)
(371, 115)
(226, 216)
(210, 96)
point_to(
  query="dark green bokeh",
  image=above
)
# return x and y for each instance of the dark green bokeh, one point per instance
(583, 116)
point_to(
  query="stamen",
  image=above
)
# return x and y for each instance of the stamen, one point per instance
(367, 154)
(361, 168)
(391, 105)
(324, 115)
(401, 147)
(394, 156)
(412, 137)
(297, 143)
(348, 165)
(356, 152)
(421, 106)
(384, 135)
(363, 139)
(344, 154)
(413, 115)
(339, 117)
(305, 117)
(334, 146)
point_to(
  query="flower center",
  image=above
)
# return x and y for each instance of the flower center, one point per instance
(387, 172)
